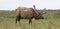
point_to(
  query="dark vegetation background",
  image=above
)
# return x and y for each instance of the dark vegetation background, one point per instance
(51, 21)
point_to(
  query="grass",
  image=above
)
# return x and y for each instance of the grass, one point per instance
(7, 21)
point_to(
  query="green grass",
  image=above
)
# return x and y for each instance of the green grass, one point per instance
(7, 21)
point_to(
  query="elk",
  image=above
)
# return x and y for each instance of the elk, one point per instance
(27, 13)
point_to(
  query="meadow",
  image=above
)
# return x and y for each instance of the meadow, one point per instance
(51, 21)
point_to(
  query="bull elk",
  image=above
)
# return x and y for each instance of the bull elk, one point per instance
(27, 13)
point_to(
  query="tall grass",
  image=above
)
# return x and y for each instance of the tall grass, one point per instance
(51, 21)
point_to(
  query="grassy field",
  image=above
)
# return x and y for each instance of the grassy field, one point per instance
(51, 21)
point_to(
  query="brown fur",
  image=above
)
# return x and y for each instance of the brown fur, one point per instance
(28, 13)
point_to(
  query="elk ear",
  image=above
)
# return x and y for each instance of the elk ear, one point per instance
(40, 13)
